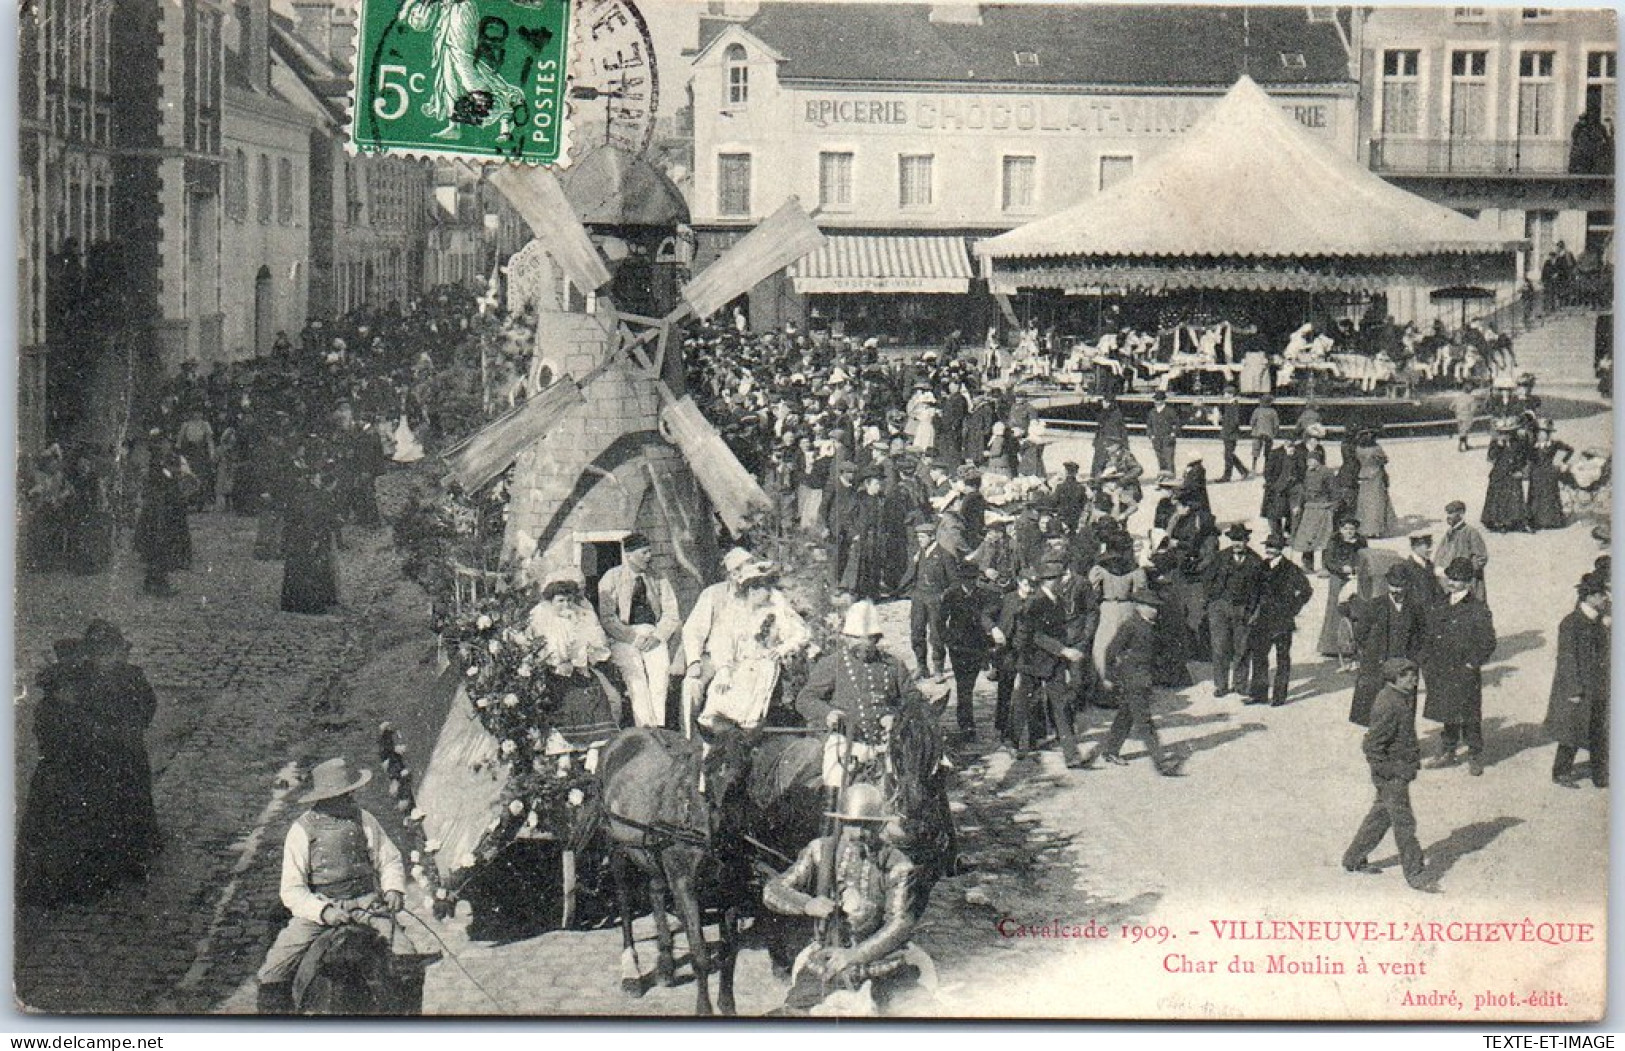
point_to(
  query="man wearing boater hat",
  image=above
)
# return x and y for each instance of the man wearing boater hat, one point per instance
(869, 917)
(337, 862)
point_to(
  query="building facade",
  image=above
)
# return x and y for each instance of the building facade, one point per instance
(265, 277)
(119, 193)
(913, 130)
(1506, 113)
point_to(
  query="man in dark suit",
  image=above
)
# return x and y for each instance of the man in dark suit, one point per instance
(1460, 639)
(1043, 660)
(1129, 662)
(1233, 585)
(1111, 431)
(1069, 497)
(1276, 508)
(1163, 425)
(970, 609)
(1577, 711)
(1230, 435)
(1392, 751)
(1385, 626)
(1283, 591)
(1421, 578)
(931, 570)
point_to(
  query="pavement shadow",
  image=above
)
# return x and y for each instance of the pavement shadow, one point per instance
(1206, 743)
(1443, 855)
(1504, 739)
(1509, 646)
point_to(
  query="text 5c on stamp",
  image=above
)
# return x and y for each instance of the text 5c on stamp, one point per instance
(481, 79)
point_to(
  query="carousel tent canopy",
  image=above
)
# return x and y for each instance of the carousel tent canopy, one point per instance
(611, 187)
(1246, 181)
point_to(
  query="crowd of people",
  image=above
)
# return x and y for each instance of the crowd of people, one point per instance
(1031, 573)
(295, 438)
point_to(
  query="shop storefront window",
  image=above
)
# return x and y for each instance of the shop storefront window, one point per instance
(1401, 88)
(1020, 177)
(835, 180)
(914, 180)
(733, 183)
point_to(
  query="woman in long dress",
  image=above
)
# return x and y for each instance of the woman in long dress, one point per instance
(1374, 508)
(1342, 565)
(1547, 461)
(89, 823)
(1114, 578)
(1505, 508)
(310, 576)
(1315, 530)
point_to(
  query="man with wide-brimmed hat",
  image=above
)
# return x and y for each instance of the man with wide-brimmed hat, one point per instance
(338, 867)
(1130, 657)
(1393, 754)
(1283, 591)
(858, 684)
(1233, 583)
(869, 915)
(1460, 640)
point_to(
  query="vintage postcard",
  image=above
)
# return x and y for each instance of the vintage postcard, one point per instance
(601, 508)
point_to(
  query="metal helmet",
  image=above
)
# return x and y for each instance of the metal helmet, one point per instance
(862, 802)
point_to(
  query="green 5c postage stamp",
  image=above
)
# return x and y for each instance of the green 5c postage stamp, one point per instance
(482, 79)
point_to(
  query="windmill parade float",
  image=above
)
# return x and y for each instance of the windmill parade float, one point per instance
(611, 446)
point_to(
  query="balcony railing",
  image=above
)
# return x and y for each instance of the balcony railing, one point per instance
(1470, 156)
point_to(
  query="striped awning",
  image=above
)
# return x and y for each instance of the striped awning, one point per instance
(875, 263)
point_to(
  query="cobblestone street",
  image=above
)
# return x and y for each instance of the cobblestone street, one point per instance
(245, 693)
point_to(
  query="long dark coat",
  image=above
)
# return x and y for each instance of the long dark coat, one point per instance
(1545, 486)
(89, 822)
(163, 536)
(1582, 671)
(1505, 508)
(860, 572)
(1381, 632)
(1460, 639)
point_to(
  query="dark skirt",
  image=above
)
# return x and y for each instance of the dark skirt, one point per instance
(1504, 506)
(1545, 498)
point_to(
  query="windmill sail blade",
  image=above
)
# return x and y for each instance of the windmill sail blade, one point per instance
(536, 193)
(489, 452)
(733, 492)
(781, 239)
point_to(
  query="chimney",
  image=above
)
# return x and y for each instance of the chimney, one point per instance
(254, 42)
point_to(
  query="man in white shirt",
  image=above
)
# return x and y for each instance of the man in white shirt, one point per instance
(709, 609)
(337, 864)
(638, 610)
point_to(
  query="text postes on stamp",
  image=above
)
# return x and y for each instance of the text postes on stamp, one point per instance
(482, 79)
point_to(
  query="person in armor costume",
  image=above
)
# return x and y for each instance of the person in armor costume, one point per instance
(857, 885)
(855, 687)
(337, 862)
